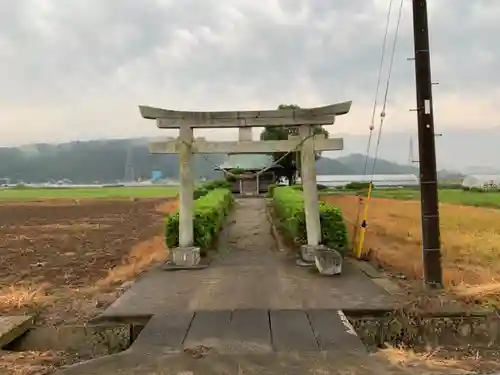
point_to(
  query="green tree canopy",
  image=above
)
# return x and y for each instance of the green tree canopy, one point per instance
(290, 162)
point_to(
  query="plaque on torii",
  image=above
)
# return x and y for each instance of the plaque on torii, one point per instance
(306, 142)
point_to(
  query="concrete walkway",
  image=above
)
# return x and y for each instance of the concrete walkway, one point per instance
(253, 311)
(250, 274)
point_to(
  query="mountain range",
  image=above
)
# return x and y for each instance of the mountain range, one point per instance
(105, 161)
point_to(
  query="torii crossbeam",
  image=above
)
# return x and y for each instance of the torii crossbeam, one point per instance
(166, 118)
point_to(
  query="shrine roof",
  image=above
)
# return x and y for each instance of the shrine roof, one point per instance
(249, 162)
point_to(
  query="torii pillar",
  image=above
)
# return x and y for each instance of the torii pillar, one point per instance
(307, 143)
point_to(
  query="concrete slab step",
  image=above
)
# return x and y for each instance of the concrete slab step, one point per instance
(231, 332)
(165, 332)
(333, 331)
(249, 332)
(12, 327)
(292, 331)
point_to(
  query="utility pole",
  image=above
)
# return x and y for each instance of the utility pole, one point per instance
(431, 246)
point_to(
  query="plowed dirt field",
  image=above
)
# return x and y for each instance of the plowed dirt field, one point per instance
(68, 259)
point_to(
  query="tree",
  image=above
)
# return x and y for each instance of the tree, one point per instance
(290, 162)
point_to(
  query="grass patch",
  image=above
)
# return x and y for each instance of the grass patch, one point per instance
(27, 194)
(451, 196)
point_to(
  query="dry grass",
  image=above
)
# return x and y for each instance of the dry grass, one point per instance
(439, 361)
(140, 258)
(408, 358)
(470, 242)
(34, 363)
(19, 297)
(168, 206)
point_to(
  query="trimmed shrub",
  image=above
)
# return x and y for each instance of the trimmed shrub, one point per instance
(199, 192)
(217, 184)
(270, 190)
(209, 213)
(301, 188)
(289, 207)
(208, 186)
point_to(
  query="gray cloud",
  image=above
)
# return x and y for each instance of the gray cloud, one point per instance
(78, 69)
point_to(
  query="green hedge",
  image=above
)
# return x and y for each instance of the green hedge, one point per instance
(208, 186)
(270, 190)
(289, 207)
(217, 184)
(200, 192)
(318, 186)
(209, 213)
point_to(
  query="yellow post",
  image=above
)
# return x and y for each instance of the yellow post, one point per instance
(359, 251)
(356, 225)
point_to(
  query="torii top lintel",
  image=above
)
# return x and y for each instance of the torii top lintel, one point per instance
(166, 118)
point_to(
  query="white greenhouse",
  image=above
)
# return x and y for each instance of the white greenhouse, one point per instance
(379, 180)
(483, 182)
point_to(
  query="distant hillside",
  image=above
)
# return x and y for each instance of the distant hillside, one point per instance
(86, 162)
(327, 166)
(356, 163)
(104, 161)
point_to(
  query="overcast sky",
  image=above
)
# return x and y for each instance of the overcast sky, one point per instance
(78, 69)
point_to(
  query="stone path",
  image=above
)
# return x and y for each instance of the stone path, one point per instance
(250, 274)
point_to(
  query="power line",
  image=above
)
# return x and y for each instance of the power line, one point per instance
(386, 94)
(379, 80)
(375, 104)
(372, 123)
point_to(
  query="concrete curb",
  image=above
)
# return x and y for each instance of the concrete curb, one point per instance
(275, 232)
(376, 276)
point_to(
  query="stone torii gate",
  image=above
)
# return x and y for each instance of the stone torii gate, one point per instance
(185, 145)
